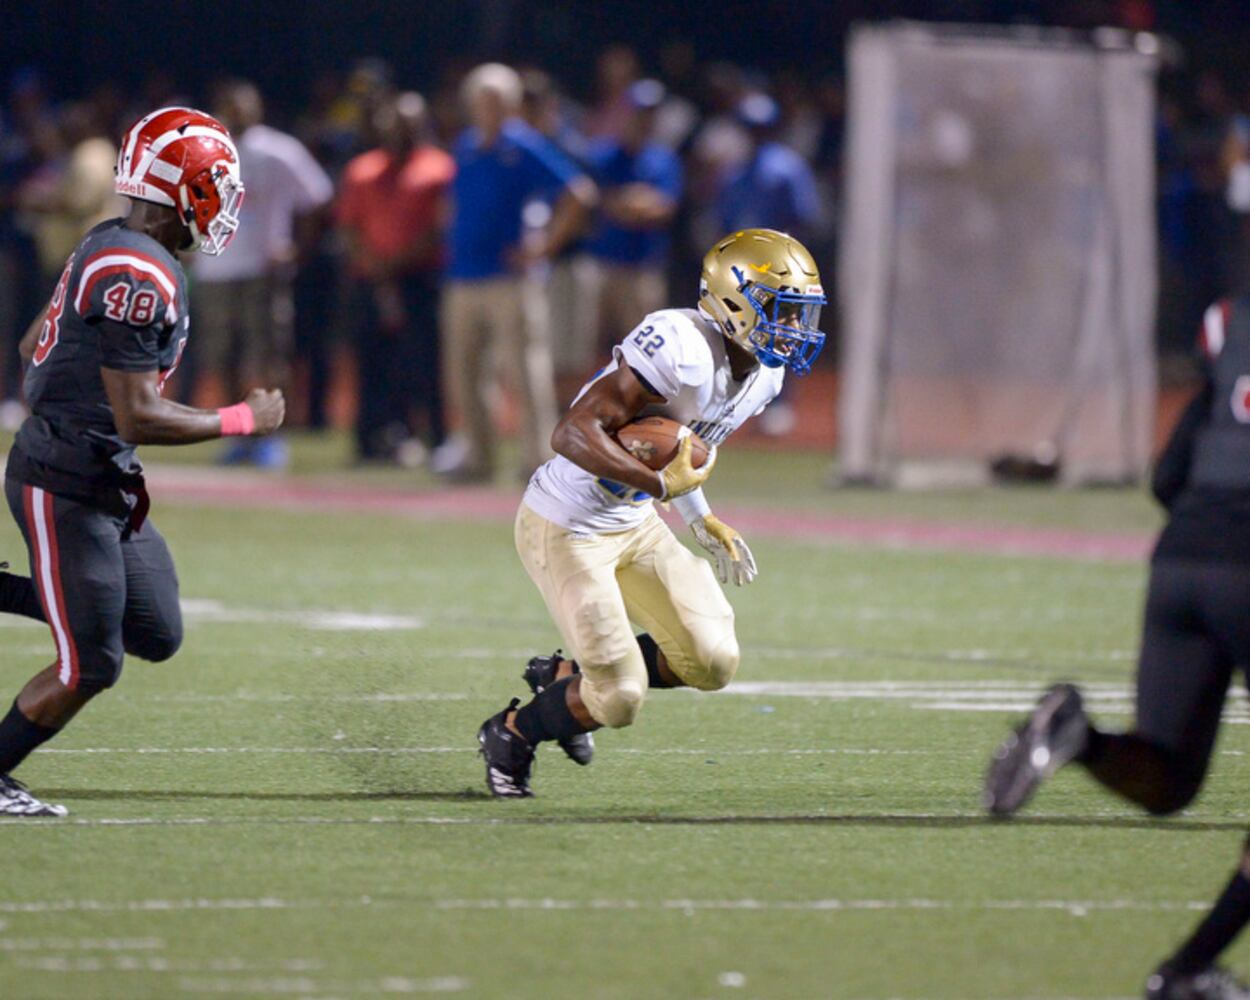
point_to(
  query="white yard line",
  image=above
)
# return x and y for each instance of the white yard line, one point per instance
(310, 988)
(200, 610)
(1076, 908)
(279, 697)
(1071, 907)
(1096, 695)
(150, 905)
(81, 944)
(157, 963)
(44, 826)
(919, 690)
(194, 751)
(988, 656)
(400, 751)
(962, 696)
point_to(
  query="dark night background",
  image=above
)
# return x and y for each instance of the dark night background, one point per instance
(286, 44)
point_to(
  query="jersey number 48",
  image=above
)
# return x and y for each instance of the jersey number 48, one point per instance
(136, 310)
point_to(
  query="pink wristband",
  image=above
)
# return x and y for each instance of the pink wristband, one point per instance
(237, 420)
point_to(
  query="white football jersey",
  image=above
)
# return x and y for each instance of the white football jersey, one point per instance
(682, 356)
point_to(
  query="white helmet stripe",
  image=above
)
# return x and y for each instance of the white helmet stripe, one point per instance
(154, 150)
(138, 127)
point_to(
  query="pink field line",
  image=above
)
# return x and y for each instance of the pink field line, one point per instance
(214, 488)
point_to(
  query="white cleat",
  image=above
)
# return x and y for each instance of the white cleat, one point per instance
(16, 800)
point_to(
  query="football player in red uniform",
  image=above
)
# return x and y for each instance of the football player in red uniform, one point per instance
(97, 359)
(1195, 638)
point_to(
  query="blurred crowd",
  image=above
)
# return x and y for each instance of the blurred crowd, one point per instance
(497, 231)
(1203, 157)
(494, 231)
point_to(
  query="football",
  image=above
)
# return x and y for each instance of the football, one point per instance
(653, 441)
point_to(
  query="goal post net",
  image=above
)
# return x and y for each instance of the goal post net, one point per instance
(997, 266)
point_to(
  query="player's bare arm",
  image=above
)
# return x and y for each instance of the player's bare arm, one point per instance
(584, 433)
(144, 416)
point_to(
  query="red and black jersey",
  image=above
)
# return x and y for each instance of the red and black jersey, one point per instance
(1203, 475)
(121, 303)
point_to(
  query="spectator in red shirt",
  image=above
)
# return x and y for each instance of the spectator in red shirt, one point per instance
(393, 210)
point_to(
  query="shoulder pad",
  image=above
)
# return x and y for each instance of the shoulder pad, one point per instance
(669, 351)
(128, 286)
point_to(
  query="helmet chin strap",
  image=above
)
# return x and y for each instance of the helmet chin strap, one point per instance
(194, 236)
(742, 360)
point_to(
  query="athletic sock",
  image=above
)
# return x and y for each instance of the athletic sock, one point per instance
(1139, 770)
(548, 717)
(1216, 932)
(18, 737)
(1096, 744)
(651, 657)
(18, 597)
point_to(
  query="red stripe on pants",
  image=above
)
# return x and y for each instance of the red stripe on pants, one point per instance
(41, 522)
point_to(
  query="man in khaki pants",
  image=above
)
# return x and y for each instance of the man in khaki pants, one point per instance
(501, 165)
(587, 531)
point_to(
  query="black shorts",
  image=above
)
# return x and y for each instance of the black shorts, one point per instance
(105, 590)
(1196, 634)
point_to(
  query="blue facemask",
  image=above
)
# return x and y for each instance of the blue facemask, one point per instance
(788, 330)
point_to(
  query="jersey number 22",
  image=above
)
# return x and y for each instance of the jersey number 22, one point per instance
(649, 341)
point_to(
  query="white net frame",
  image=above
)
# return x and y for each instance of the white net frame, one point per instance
(997, 267)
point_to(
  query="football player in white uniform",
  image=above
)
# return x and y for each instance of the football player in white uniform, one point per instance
(587, 530)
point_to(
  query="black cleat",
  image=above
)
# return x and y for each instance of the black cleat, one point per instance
(1056, 732)
(16, 800)
(1213, 983)
(509, 759)
(540, 673)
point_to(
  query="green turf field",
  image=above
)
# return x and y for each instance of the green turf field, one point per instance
(293, 806)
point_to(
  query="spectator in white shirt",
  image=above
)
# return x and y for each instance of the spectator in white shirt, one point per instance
(244, 312)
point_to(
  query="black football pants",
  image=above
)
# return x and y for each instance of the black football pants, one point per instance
(1195, 634)
(105, 590)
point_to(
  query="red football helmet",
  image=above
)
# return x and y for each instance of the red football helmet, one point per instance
(186, 160)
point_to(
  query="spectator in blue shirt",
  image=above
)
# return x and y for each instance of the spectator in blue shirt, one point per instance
(774, 188)
(641, 184)
(501, 164)
(569, 279)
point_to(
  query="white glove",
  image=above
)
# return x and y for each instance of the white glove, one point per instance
(728, 550)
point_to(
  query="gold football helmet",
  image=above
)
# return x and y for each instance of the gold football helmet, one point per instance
(763, 290)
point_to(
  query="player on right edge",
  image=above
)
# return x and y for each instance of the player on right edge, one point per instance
(587, 531)
(1195, 635)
